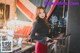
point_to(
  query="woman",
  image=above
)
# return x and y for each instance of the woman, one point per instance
(40, 31)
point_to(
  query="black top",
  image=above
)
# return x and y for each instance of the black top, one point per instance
(41, 29)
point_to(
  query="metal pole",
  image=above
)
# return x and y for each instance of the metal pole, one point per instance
(63, 9)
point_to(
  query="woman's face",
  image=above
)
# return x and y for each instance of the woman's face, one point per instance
(42, 14)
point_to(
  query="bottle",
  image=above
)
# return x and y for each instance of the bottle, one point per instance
(20, 42)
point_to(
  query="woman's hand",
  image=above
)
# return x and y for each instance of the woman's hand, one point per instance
(48, 39)
(36, 34)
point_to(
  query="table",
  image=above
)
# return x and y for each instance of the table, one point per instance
(26, 48)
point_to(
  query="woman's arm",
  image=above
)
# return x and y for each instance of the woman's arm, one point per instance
(34, 30)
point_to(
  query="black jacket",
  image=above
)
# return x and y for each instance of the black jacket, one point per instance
(41, 29)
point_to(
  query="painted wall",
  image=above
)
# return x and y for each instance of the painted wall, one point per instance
(12, 7)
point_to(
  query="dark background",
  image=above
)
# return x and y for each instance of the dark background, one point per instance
(74, 27)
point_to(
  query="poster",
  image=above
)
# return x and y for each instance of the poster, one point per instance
(16, 29)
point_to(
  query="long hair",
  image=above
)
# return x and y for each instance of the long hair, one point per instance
(38, 11)
(37, 14)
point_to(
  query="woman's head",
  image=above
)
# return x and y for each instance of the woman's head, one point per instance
(40, 13)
